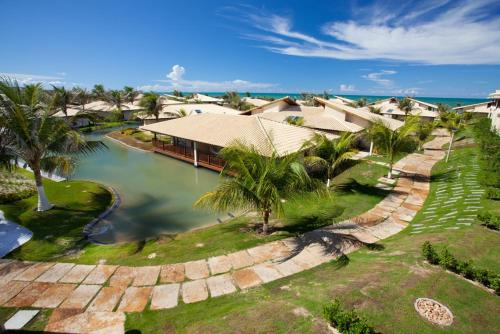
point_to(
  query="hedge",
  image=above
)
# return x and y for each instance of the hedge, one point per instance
(490, 220)
(448, 261)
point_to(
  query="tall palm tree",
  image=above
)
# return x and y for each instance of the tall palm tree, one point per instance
(257, 183)
(129, 94)
(331, 153)
(98, 92)
(177, 93)
(180, 113)
(406, 105)
(40, 140)
(62, 98)
(81, 96)
(151, 102)
(392, 142)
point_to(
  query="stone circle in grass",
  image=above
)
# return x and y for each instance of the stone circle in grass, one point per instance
(434, 311)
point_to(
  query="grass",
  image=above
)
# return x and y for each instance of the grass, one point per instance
(58, 230)
(382, 284)
(105, 125)
(353, 195)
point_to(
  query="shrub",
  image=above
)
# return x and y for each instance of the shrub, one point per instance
(15, 186)
(429, 253)
(447, 260)
(466, 269)
(346, 321)
(489, 220)
(495, 284)
(493, 193)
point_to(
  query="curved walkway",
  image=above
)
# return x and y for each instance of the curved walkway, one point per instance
(95, 297)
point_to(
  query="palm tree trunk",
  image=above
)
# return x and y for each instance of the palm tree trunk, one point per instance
(43, 202)
(265, 224)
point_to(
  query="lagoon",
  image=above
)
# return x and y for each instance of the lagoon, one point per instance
(157, 192)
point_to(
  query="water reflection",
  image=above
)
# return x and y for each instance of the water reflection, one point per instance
(157, 192)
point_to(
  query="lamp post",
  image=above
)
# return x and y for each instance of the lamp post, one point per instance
(453, 131)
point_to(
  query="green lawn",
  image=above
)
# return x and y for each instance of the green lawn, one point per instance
(382, 284)
(60, 229)
(353, 195)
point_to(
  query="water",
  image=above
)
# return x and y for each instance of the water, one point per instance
(157, 192)
(450, 101)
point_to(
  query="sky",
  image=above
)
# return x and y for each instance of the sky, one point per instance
(443, 48)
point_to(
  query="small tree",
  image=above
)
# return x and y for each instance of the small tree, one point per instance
(392, 142)
(295, 120)
(257, 182)
(406, 105)
(422, 132)
(61, 99)
(129, 94)
(98, 92)
(81, 96)
(331, 153)
(117, 100)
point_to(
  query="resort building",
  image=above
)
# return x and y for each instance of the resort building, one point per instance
(198, 139)
(390, 109)
(343, 100)
(283, 104)
(177, 110)
(71, 113)
(255, 101)
(201, 98)
(490, 109)
(106, 109)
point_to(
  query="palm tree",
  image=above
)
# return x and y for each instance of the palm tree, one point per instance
(392, 142)
(130, 94)
(37, 138)
(98, 91)
(375, 110)
(151, 102)
(422, 132)
(234, 100)
(177, 93)
(331, 153)
(295, 120)
(117, 100)
(62, 98)
(405, 105)
(257, 183)
(81, 96)
(362, 102)
(180, 113)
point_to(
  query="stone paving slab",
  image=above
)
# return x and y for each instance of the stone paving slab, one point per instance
(100, 274)
(220, 285)
(122, 277)
(77, 274)
(107, 299)
(219, 264)
(288, 268)
(146, 275)
(54, 295)
(196, 269)
(81, 296)
(11, 289)
(28, 295)
(246, 278)
(240, 259)
(165, 296)
(194, 291)
(12, 270)
(86, 322)
(267, 272)
(34, 271)
(55, 273)
(172, 273)
(20, 319)
(135, 299)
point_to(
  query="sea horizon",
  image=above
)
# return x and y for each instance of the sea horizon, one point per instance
(450, 101)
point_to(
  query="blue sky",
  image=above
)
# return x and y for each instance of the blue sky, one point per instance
(424, 48)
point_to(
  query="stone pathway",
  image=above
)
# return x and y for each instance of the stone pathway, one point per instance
(90, 298)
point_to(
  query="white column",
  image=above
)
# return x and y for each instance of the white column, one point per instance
(371, 147)
(195, 150)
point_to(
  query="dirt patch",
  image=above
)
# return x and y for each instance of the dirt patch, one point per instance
(420, 271)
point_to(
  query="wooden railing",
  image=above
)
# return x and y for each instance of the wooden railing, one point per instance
(187, 153)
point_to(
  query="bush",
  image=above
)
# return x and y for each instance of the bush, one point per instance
(429, 253)
(493, 193)
(464, 268)
(346, 321)
(489, 220)
(15, 186)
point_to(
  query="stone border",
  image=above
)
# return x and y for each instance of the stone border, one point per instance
(445, 311)
(87, 229)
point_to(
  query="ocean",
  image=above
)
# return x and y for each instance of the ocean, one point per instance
(450, 101)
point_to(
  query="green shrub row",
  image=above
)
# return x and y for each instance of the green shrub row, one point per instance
(14, 187)
(448, 261)
(346, 321)
(490, 220)
(489, 150)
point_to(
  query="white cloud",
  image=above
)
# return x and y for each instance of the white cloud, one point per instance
(378, 77)
(347, 88)
(177, 73)
(175, 81)
(25, 79)
(428, 32)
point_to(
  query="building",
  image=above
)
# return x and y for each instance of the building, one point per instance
(199, 138)
(495, 110)
(71, 116)
(255, 101)
(201, 98)
(172, 111)
(490, 109)
(106, 110)
(390, 109)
